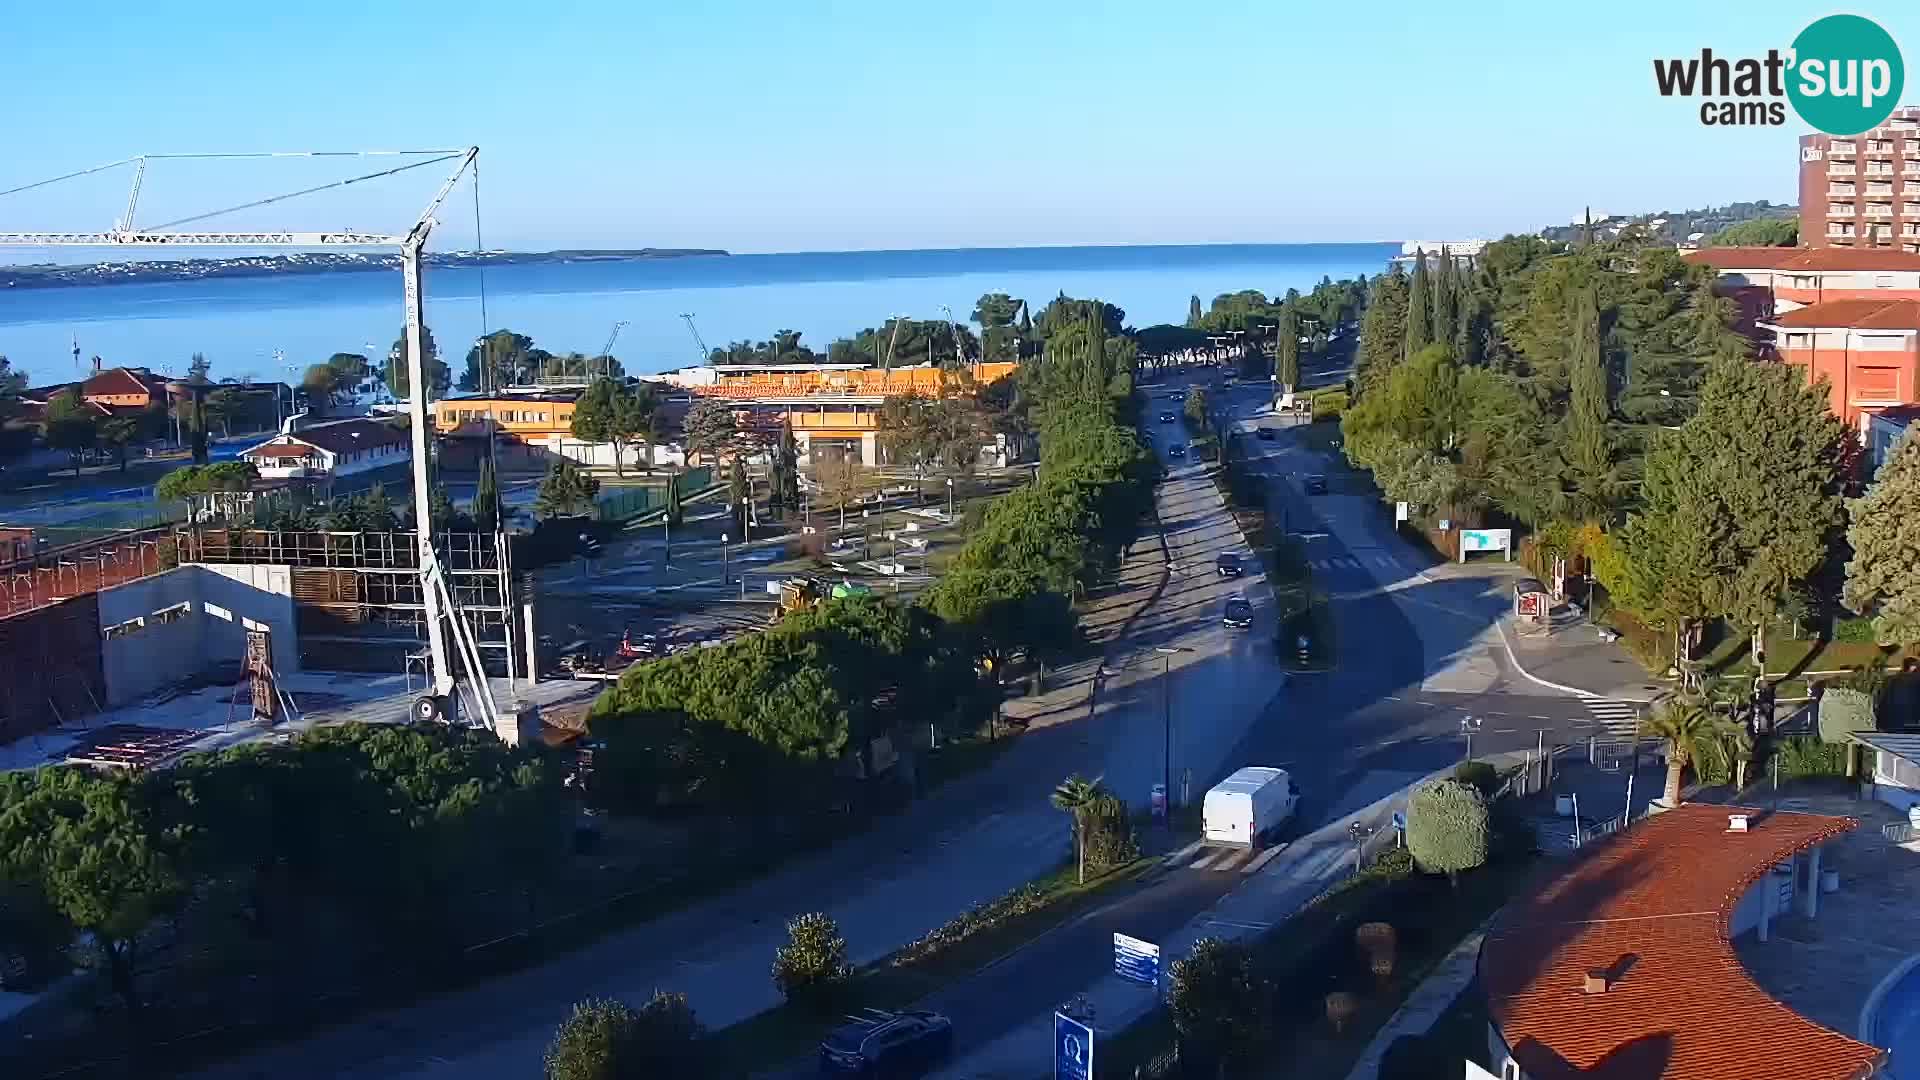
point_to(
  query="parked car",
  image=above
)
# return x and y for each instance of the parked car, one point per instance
(878, 1043)
(1177, 450)
(1264, 434)
(1228, 565)
(1316, 484)
(1239, 614)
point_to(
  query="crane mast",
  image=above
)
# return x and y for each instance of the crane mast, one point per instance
(706, 356)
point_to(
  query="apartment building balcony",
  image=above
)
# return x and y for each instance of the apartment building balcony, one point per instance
(1841, 191)
(1840, 232)
(1879, 170)
(1880, 191)
(1879, 212)
(1840, 170)
(1840, 149)
(1845, 210)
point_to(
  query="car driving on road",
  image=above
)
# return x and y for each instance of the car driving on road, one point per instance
(1238, 615)
(1166, 418)
(878, 1043)
(1177, 450)
(1228, 565)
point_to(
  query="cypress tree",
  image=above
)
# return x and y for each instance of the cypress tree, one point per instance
(1589, 445)
(1286, 348)
(1445, 300)
(486, 498)
(1419, 333)
(1194, 315)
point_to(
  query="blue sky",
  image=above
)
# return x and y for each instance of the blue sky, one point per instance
(763, 126)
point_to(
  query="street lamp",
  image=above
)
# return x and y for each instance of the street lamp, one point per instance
(1166, 715)
(1469, 725)
(1358, 833)
(723, 559)
(949, 500)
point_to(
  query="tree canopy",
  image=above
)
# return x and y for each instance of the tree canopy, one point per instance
(1883, 577)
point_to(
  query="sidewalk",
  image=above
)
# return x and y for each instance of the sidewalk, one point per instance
(1571, 654)
(1302, 871)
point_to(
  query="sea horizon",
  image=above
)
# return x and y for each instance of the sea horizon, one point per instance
(239, 323)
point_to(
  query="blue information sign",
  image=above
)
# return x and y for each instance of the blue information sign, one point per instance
(1072, 1049)
(1135, 960)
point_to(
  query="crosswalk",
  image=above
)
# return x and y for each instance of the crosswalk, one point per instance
(1620, 719)
(1221, 860)
(1354, 562)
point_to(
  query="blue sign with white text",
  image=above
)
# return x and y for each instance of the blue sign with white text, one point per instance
(1072, 1049)
(1135, 960)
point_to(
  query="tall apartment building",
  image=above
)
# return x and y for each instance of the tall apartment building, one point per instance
(1863, 191)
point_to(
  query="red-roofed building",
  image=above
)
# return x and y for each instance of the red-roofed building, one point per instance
(326, 451)
(1868, 350)
(1623, 967)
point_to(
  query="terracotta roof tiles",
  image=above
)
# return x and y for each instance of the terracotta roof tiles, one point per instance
(1651, 908)
(1863, 314)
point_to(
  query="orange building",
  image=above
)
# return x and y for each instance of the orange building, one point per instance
(1865, 349)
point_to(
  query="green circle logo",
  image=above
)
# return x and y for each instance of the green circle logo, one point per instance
(1847, 75)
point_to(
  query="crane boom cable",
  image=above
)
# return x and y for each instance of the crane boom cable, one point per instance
(270, 200)
(70, 176)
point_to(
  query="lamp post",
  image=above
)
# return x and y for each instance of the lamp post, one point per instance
(949, 500)
(723, 559)
(1469, 725)
(1166, 716)
(1359, 833)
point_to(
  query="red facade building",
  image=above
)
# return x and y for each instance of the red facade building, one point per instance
(1863, 191)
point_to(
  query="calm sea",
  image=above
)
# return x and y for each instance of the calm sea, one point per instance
(240, 323)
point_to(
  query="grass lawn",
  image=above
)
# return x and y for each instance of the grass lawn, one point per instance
(1322, 434)
(1729, 656)
(789, 1032)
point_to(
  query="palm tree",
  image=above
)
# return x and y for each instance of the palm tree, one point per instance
(1690, 729)
(1077, 796)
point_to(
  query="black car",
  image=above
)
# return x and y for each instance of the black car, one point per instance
(1238, 615)
(1264, 434)
(880, 1044)
(1316, 484)
(1228, 564)
(1166, 418)
(1177, 450)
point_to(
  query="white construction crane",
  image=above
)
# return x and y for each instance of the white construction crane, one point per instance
(438, 598)
(607, 349)
(706, 357)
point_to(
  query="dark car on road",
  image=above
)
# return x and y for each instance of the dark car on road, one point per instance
(1238, 615)
(1264, 434)
(1316, 484)
(887, 1045)
(1177, 450)
(1166, 418)
(1228, 565)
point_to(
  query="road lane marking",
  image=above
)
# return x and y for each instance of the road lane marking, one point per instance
(1262, 859)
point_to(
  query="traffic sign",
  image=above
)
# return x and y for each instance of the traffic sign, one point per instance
(1136, 960)
(1072, 1049)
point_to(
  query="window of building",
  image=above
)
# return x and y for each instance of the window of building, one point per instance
(1799, 341)
(1883, 281)
(171, 614)
(1881, 342)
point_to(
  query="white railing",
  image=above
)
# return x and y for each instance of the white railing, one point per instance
(1841, 170)
(1843, 211)
(1900, 832)
(1840, 149)
(1844, 191)
(1839, 232)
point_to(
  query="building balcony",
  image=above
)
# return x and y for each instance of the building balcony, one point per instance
(1841, 191)
(1877, 212)
(288, 470)
(1839, 232)
(1882, 192)
(1840, 170)
(1845, 210)
(1883, 170)
(1841, 149)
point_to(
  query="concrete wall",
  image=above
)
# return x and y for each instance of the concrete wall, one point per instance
(160, 630)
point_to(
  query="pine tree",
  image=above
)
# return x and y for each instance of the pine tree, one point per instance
(1883, 578)
(1096, 361)
(1286, 348)
(1382, 330)
(1589, 452)
(1419, 332)
(1194, 315)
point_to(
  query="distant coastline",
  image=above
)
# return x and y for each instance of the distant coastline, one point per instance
(54, 276)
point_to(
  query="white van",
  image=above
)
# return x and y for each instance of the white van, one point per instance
(1248, 807)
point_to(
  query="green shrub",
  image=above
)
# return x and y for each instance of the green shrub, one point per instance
(813, 963)
(1803, 756)
(1447, 827)
(1480, 775)
(607, 1040)
(1854, 631)
(1111, 839)
(1220, 1001)
(1842, 711)
(1024, 900)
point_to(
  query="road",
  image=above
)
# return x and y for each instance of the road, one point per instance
(1419, 652)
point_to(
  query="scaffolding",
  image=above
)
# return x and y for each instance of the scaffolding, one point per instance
(360, 597)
